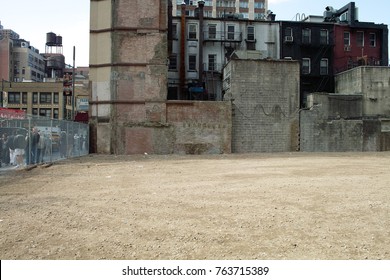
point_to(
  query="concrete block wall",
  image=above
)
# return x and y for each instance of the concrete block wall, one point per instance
(373, 83)
(265, 107)
(335, 123)
(327, 135)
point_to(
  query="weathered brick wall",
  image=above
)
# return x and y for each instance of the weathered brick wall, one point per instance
(131, 114)
(190, 128)
(201, 127)
(265, 98)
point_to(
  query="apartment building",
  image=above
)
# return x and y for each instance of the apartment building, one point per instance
(29, 64)
(248, 9)
(202, 46)
(19, 60)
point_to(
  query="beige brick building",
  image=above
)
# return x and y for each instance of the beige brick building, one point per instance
(249, 9)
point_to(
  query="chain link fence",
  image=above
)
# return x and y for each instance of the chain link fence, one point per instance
(30, 140)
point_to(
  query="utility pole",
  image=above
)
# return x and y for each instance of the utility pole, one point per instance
(73, 82)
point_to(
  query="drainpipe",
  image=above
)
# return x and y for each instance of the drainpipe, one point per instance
(201, 38)
(170, 39)
(182, 50)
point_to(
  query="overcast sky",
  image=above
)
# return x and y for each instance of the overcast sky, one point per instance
(70, 19)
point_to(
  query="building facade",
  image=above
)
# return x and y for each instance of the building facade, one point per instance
(248, 9)
(312, 44)
(332, 43)
(201, 47)
(35, 98)
(19, 60)
(29, 64)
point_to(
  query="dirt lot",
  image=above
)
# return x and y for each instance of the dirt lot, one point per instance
(263, 206)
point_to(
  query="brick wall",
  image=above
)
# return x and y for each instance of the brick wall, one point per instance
(189, 128)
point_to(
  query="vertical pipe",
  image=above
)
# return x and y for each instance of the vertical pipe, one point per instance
(170, 37)
(182, 50)
(73, 82)
(201, 5)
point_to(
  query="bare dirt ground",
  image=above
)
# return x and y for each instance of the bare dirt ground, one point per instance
(256, 206)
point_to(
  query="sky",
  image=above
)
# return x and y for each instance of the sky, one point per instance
(33, 19)
(70, 19)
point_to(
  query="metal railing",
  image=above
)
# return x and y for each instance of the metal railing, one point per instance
(31, 140)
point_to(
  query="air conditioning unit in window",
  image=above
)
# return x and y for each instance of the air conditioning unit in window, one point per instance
(347, 48)
(288, 39)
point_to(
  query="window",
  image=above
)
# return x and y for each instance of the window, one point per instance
(192, 62)
(251, 33)
(212, 62)
(24, 97)
(306, 66)
(45, 98)
(192, 32)
(14, 97)
(324, 66)
(288, 35)
(360, 38)
(324, 37)
(372, 40)
(212, 31)
(259, 5)
(208, 3)
(173, 62)
(35, 111)
(243, 4)
(207, 13)
(45, 112)
(306, 36)
(190, 13)
(56, 98)
(174, 31)
(230, 32)
(35, 97)
(259, 16)
(347, 39)
(55, 113)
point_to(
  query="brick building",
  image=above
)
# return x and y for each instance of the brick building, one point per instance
(248, 9)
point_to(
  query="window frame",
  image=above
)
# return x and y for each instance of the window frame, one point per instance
(230, 34)
(192, 31)
(192, 65)
(347, 39)
(173, 62)
(306, 38)
(212, 30)
(45, 98)
(360, 38)
(324, 37)
(212, 62)
(250, 36)
(326, 67)
(372, 38)
(308, 66)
